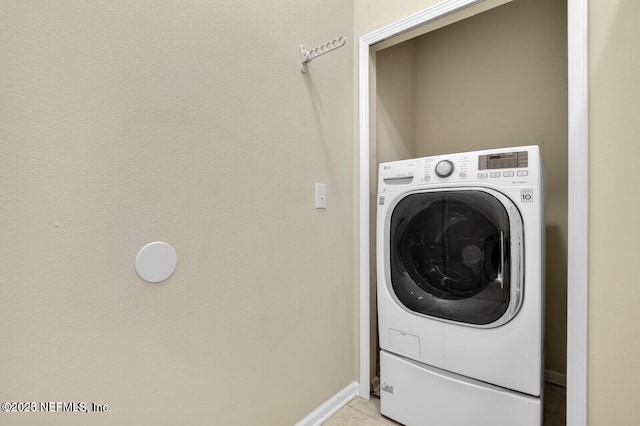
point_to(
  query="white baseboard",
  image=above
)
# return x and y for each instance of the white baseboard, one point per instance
(331, 406)
(555, 378)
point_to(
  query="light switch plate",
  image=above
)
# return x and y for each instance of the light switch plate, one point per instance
(321, 196)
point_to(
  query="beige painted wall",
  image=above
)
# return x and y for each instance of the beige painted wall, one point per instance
(396, 102)
(371, 15)
(614, 90)
(123, 123)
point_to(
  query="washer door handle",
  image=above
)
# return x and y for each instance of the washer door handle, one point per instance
(500, 277)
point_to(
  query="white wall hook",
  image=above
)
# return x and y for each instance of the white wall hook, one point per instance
(307, 56)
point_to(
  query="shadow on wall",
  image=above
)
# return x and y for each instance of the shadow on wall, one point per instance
(556, 300)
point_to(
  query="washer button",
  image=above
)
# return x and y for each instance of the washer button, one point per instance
(507, 174)
(482, 175)
(495, 174)
(523, 173)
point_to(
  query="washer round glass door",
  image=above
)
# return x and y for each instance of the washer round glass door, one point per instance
(454, 255)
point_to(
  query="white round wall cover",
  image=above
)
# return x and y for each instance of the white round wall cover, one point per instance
(156, 262)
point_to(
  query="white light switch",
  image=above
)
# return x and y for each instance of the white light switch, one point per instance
(321, 196)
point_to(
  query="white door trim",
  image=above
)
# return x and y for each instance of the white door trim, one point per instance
(578, 215)
(578, 168)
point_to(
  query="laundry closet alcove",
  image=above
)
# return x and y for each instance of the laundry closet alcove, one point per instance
(472, 75)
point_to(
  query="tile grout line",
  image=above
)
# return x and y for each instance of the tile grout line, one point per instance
(367, 414)
(359, 410)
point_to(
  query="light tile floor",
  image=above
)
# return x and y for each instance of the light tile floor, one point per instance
(362, 412)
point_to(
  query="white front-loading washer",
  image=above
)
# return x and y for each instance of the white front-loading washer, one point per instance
(460, 259)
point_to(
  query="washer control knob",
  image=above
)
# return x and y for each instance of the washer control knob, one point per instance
(444, 168)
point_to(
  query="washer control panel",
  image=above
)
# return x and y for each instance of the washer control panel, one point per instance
(503, 160)
(504, 167)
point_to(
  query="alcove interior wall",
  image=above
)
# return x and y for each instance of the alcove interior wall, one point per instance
(496, 79)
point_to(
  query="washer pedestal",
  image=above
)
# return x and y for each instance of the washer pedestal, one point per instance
(415, 394)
